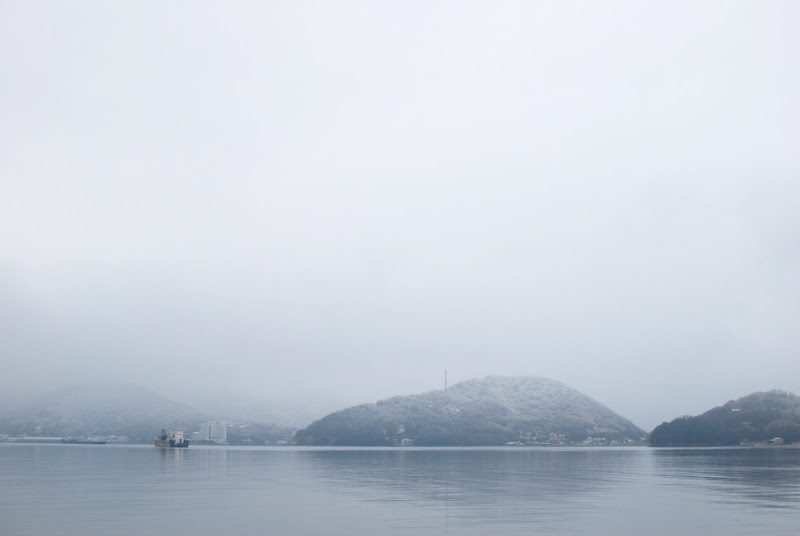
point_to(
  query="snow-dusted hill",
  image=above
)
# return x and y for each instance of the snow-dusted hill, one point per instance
(489, 411)
(756, 417)
(99, 408)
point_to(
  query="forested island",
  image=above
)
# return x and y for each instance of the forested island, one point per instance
(759, 417)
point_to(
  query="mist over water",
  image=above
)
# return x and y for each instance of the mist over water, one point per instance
(228, 220)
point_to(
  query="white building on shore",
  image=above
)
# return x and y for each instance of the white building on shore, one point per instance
(212, 431)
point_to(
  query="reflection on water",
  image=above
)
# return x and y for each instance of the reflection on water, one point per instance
(480, 486)
(766, 477)
(92, 490)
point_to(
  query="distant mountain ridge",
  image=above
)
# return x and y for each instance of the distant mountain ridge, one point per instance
(756, 417)
(124, 410)
(489, 411)
(99, 408)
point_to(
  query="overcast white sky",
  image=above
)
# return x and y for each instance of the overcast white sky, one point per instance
(332, 202)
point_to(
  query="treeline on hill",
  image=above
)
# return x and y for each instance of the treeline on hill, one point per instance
(427, 434)
(425, 431)
(756, 417)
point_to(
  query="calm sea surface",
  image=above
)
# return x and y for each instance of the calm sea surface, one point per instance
(94, 490)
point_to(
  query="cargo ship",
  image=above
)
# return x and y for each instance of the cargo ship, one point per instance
(171, 441)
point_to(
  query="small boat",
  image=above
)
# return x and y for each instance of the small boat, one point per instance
(175, 440)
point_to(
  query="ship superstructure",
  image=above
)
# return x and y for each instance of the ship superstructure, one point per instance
(175, 440)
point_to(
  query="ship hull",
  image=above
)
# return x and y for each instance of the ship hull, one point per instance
(170, 444)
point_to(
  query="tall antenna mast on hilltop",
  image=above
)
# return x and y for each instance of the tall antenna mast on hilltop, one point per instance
(445, 380)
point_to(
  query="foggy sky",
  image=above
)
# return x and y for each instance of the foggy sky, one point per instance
(324, 203)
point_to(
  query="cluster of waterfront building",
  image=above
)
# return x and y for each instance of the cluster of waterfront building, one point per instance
(773, 441)
(210, 433)
(560, 440)
(550, 440)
